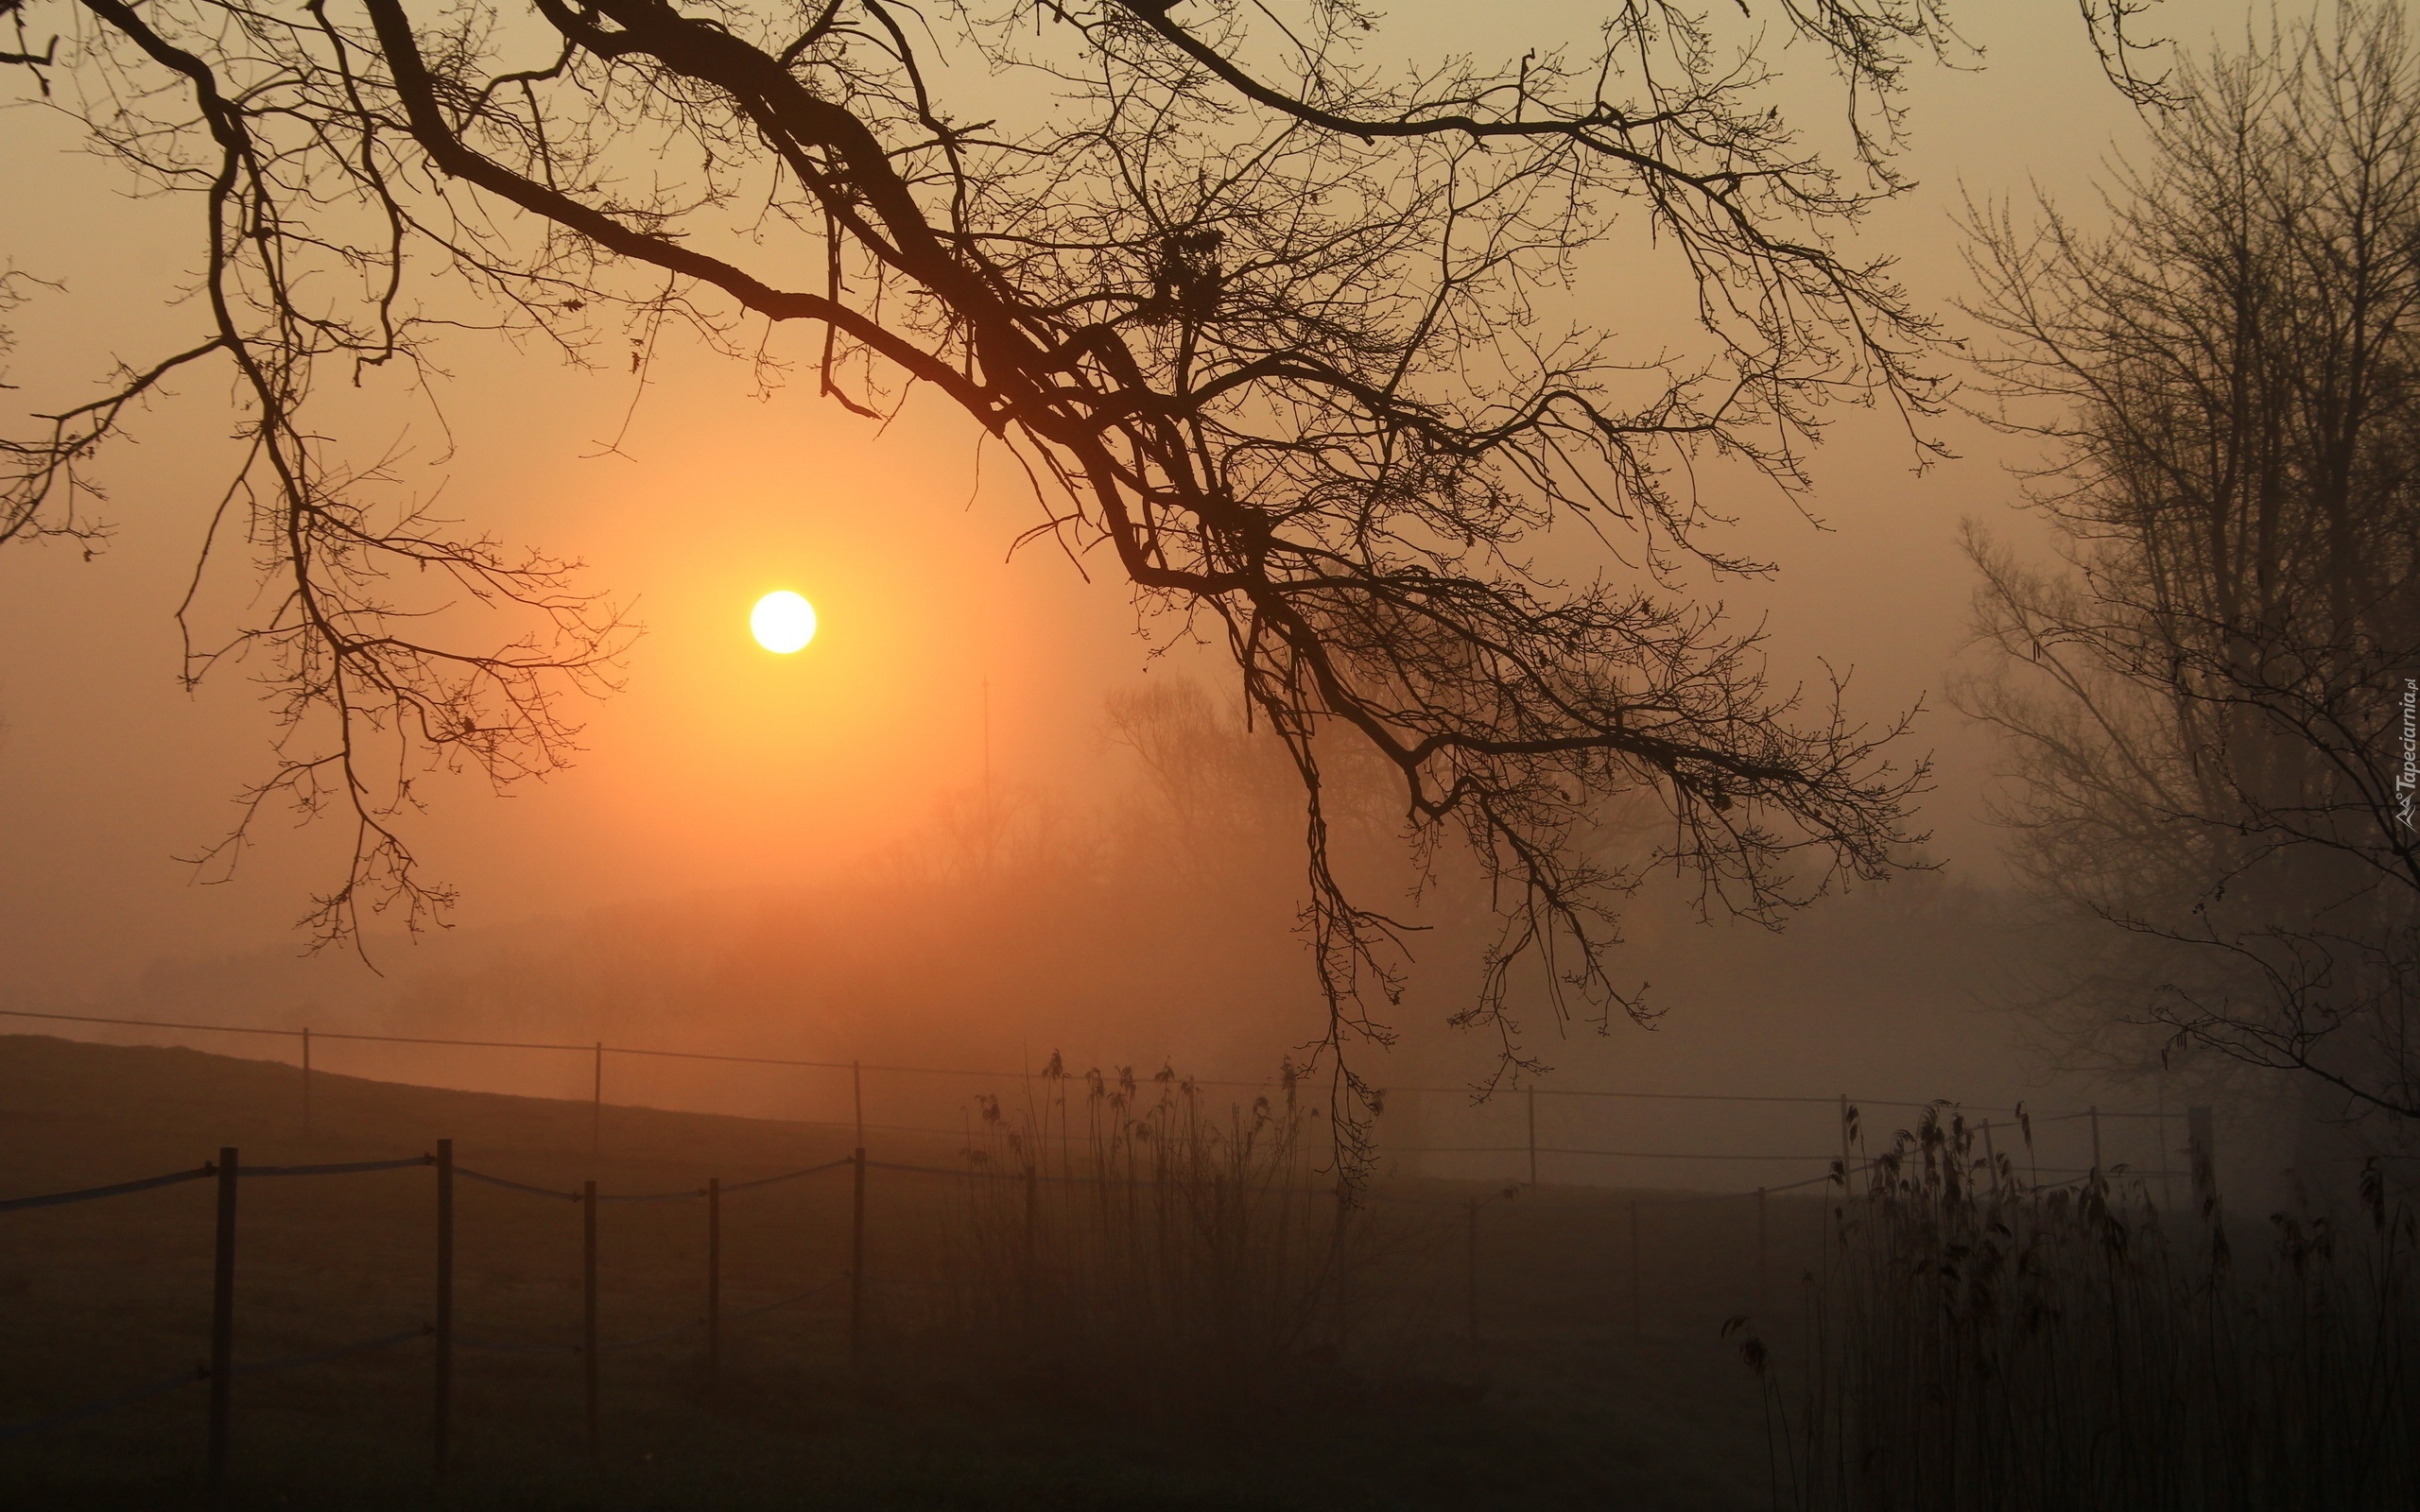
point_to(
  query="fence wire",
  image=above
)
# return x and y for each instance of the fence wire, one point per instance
(1844, 1170)
(600, 1048)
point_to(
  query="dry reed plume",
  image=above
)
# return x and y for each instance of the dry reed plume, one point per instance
(1974, 1341)
(1131, 1239)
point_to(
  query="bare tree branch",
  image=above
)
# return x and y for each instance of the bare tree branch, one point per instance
(1285, 332)
(2208, 709)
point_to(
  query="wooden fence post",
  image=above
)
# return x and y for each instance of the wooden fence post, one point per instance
(1991, 1159)
(1763, 1289)
(1032, 1277)
(222, 1328)
(1343, 1262)
(857, 1265)
(2201, 1156)
(1533, 1137)
(588, 1300)
(2094, 1113)
(713, 1276)
(1638, 1328)
(1848, 1173)
(2166, 1155)
(444, 1302)
(1470, 1270)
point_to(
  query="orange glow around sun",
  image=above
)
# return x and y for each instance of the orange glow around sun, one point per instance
(782, 621)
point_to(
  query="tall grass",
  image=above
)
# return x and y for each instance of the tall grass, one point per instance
(1142, 1240)
(1976, 1342)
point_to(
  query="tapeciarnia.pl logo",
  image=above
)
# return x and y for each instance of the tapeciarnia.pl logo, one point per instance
(2407, 780)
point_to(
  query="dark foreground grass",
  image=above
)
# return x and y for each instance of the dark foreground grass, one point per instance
(753, 1445)
(1556, 1405)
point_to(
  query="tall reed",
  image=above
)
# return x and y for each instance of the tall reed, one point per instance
(1139, 1237)
(1974, 1341)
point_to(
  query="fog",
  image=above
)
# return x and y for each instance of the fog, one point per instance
(924, 835)
(1672, 770)
(1157, 929)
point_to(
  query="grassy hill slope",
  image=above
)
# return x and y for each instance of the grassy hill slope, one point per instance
(1559, 1408)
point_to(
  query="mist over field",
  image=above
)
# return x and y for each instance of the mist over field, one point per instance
(1160, 931)
(1119, 754)
(1157, 923)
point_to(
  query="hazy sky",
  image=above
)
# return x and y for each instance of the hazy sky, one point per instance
(719, 765)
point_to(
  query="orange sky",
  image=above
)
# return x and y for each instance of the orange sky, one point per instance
(722, 765)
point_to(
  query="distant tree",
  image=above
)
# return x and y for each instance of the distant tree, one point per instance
(2207, 705)
(1275, 325)
(1217, 796)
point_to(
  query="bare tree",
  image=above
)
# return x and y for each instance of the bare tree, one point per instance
(1277, 327)
(2207, 707)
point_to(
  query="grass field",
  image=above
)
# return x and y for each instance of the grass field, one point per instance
(1556, 1404)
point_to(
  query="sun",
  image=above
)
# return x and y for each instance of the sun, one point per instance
(782, 622)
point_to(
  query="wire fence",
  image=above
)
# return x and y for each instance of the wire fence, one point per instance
(227, 1171)
(1537, 1134)
(1842, 1222)
(222, 1369)
(1844, 1167)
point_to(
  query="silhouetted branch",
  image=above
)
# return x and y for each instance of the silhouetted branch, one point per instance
(1279, 327)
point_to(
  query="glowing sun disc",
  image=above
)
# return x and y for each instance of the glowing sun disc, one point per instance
(782, 622)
